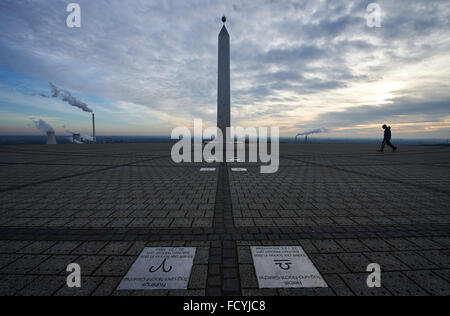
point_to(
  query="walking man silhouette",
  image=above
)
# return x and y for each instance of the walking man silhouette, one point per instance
(387, 139)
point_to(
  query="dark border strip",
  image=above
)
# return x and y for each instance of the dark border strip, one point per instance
(225, 234)
(223, 267)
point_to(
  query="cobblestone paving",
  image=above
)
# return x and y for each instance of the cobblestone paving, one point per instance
(347, 206)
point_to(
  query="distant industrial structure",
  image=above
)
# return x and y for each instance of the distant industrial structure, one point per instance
(306, 134)
(94, 138)
(79, 139)
(51, 138)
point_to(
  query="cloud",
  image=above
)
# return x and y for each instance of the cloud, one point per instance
(43, 126)
(400, 111)
(297, 60)
(314, 131)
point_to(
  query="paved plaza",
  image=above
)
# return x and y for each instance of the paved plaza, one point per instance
(346, 205)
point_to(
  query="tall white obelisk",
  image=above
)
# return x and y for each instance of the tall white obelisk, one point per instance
(223, 87)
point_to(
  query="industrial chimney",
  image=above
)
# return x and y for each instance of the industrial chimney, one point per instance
(51, 139)
(94, 139)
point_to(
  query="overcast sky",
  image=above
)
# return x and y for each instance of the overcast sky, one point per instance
(147, 66)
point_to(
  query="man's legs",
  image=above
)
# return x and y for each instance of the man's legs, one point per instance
(390, 145)
(382, 145)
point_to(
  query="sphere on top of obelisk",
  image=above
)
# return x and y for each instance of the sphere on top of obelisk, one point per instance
(224, 19)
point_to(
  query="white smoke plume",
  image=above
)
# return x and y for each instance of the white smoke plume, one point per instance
(68, 97)
(43, 126)
(55, 91)
(315, 131)
(88, 138)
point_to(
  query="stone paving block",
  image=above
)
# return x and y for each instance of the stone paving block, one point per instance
(213, 291)
(402, 244)
(328, 263)
(399, 285)
(264, 222)
(248, 243)
(356, 262)
(361, 220)
(6, 259)
(44, 286)
(430, 282)
(99, 222)
(231, 286)
(425, 243)
(37, 247)
(88, 286)
(140, 222)
(339, 287)
(78, 223)
(198, 277)
(202, 222)
(89, 248)
(198, 244)
(119, 222)
(115, 248)
(161, 222)
(327, 246)
(286, 242)
(304, 221)
(136, 248)
(343, 220)
(229, 253)
(248, 276)
(352, 245)
(323, 221)
(230, 273)
(115, 266)
(56, 264)
(445, 274)
(283, 222)
(159, 244)
(387, 261)
(358, 284)
(377, 244)
(201, 255)
(11, 284)
(107, 287)
(141, 293)
(444, 241)
(414, 260)
(264, 213)
(188, 293)
(243, 222)
(214, 269)
(229, 263)
(89, 263)
(259, 292)
(308, 246)
(437, 257)
(244, 254)
(63, 247)
(306, 292)
(24, 264)
(60, 222)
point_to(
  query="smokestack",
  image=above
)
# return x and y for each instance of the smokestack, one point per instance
(51, 139)
(306, 139)
(93, 128)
